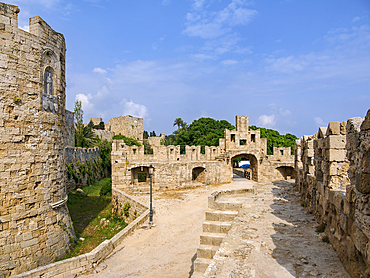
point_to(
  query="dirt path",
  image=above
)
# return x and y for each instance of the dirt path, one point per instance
(281, 237)
(167, 250)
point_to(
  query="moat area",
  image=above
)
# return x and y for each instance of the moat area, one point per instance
(273, 236)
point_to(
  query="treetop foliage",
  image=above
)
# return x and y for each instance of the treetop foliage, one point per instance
(275, 139)
(203, 132)
(208, 131)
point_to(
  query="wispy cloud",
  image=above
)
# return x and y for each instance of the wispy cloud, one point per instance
(266, 121)
(212, 24)
(100, 70)
(319, 122)
(229, 62)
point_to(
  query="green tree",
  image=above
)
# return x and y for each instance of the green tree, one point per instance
(145, 134)
(179, 122)
(203, 132)
(84, 135)
(275, 139)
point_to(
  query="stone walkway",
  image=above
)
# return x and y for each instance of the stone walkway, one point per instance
(272, 236)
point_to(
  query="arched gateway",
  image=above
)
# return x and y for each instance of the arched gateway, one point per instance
(174, 169)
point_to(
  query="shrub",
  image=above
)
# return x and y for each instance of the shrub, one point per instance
(106, 188)
(126, 209)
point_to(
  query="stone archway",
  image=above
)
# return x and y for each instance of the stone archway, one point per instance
(286, 172)
(253, 164)
(198, 174)
(140, 175)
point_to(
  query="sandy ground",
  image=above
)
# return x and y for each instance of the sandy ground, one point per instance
(169, 248)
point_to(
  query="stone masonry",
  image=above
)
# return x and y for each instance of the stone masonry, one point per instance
(333, 176)
(130, 166)
(35, 227)
(128, 125)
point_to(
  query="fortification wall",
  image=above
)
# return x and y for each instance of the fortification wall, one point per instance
(173, 169)
(83, 166)
(35, 227)
(128, 126)
(70, 129)
(333, 170)
(104, 134)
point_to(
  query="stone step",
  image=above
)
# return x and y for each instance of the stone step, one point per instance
(214, 239)
(227, 206)
(206, 251)
(220, 215)
(200, 266)
(216, 227)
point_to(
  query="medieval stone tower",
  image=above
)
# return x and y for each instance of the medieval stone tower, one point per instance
(35, 227)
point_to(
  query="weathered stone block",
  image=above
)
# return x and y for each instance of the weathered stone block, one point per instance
(343, 128)
(333, 128)
(336, 142)
(366, 123)
(363, 182)
(336, 155)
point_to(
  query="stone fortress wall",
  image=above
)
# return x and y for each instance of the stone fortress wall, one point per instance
(70, 129)
(173, 169)
(126, 125)
(82, 167)
(333, 176)
(35, 227)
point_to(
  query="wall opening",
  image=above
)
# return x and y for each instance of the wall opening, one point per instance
(252, 173)
(253, 137)
(286, 172)
(199, 174)
(140, 175)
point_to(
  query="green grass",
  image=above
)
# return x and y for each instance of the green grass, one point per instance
(86, 213)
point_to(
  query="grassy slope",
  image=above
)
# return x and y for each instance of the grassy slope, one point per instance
(87, 213)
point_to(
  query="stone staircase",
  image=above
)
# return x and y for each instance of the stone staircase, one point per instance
(223, 206)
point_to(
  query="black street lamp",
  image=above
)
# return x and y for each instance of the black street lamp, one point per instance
(151, 168)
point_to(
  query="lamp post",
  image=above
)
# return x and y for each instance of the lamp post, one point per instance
(151, 168)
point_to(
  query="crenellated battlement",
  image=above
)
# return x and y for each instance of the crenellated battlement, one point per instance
(176, 169)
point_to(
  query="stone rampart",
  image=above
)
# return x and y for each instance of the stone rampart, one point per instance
(82, 167)
(172, 169)
(128, 126)
(70, 129)
(333, 170)
(35, 227)
(104, 134)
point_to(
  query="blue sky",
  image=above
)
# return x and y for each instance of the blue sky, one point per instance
(291, 65)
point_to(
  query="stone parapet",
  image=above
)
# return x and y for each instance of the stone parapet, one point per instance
(333, 177)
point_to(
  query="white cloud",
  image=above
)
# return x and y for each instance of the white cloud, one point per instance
(319, 122)
(285, 64)
(85, 101)
(25, 28)
(357, 18)
(266, 121)
(229, 62)
(99, 70)
(134, 109)
(202, 57)
(210, 24)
